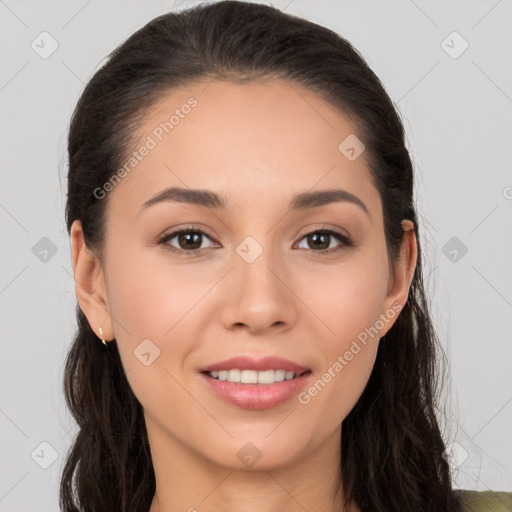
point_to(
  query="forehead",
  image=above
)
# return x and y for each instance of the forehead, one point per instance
(259, 139)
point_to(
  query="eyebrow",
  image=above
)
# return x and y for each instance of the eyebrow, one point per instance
(212, 200)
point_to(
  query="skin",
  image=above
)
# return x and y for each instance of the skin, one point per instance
(258, 145)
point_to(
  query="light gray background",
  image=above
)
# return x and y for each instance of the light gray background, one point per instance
(457, 114)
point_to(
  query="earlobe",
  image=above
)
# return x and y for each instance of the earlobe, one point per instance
(89, 284)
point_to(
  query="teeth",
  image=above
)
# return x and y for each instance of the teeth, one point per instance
(234, 375)
(266, 377)
(279, 375)
(247, 376)
(252, 376)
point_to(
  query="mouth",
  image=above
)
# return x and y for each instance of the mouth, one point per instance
(252, 389)
(266, 377)
(256, 383)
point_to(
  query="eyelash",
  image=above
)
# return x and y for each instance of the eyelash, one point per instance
(346, 240)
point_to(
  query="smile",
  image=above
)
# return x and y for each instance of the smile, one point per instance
(253, 376)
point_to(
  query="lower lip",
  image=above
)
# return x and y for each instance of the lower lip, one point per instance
(256, 396)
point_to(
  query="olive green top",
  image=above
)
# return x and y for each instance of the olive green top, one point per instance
(485, 501)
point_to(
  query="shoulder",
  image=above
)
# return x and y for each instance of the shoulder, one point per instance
(484, 501)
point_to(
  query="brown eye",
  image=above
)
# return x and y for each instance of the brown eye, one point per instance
(320, 240)
(187, 240)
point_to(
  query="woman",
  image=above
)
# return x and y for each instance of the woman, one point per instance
(245, 245)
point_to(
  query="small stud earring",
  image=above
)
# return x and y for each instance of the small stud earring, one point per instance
(102, 340)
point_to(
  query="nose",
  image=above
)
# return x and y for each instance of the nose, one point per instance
(259, 295)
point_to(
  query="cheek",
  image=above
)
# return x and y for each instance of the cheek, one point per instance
(334, 393)
(347, 352)
(151, 301)
(348, 297)
(348, 301)
(150, 297)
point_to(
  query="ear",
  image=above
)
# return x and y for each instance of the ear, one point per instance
(89, 284)
(400, 278)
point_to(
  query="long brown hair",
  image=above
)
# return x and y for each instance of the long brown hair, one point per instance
(392, 446)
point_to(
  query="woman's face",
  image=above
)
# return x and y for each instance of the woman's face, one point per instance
(255, 284)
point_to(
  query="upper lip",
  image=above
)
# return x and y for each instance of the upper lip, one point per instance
(250, 363)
